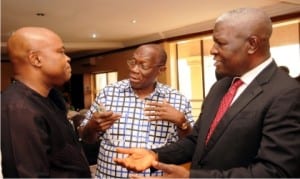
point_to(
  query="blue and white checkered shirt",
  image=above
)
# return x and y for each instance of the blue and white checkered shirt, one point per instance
(134, 129)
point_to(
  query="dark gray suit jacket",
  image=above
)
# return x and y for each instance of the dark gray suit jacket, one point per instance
(259, 136)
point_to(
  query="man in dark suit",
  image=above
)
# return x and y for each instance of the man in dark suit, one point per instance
(259, 134)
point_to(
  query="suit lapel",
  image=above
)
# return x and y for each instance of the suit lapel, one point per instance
(209, 109)
(237, 106)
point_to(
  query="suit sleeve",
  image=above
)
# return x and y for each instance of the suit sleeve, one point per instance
(181, 151)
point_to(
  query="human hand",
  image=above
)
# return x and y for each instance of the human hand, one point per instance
(170, 171)
(100, 121)
(103, 120)
(164, 111)
(137, 160)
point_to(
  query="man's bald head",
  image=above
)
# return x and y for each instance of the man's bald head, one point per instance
(242, 40)
(24, 45)
(38, 58)
(249, 21)
(161, 53)
(27, 39)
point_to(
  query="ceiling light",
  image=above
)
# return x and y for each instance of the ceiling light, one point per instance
(94, 36)
(133, 21)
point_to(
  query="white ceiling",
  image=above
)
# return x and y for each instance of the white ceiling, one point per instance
(111, 20)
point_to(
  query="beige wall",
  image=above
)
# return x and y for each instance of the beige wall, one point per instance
(284, 35)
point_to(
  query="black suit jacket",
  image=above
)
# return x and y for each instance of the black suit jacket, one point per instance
(259, 136)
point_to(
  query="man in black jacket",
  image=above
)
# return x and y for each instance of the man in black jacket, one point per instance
(37, 140)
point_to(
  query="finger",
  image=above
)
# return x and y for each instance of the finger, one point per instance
(104, 114)
(136, 176)
(156, 116)
(150, 108)
(153, 107)
(105, 125)
(122, 162)
(116, 115)
(114, 118)
(124, 150)
(151, 113)
(128, 164)
(108, 121)
(154, 103)
(165, 101)
(118, 161)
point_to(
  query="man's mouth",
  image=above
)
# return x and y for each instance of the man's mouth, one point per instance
(134, 79)
(218, 62)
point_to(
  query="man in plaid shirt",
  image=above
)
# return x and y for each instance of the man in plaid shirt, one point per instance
(136, 112)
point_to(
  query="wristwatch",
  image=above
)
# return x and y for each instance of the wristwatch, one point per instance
(184, 126)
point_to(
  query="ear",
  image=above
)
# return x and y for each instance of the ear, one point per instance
(162, 69)
(34, 59)
(253, 44)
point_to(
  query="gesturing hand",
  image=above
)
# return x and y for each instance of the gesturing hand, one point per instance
(163, 111)
(137, 160)
(101, 121)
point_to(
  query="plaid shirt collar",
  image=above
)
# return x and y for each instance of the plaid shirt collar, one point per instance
(159, 89)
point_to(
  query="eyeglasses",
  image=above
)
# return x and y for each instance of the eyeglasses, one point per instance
(132, 63)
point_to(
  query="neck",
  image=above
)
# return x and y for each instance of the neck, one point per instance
(142, 93)
(43, 90)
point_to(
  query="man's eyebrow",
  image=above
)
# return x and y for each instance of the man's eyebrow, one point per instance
(61, 48)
